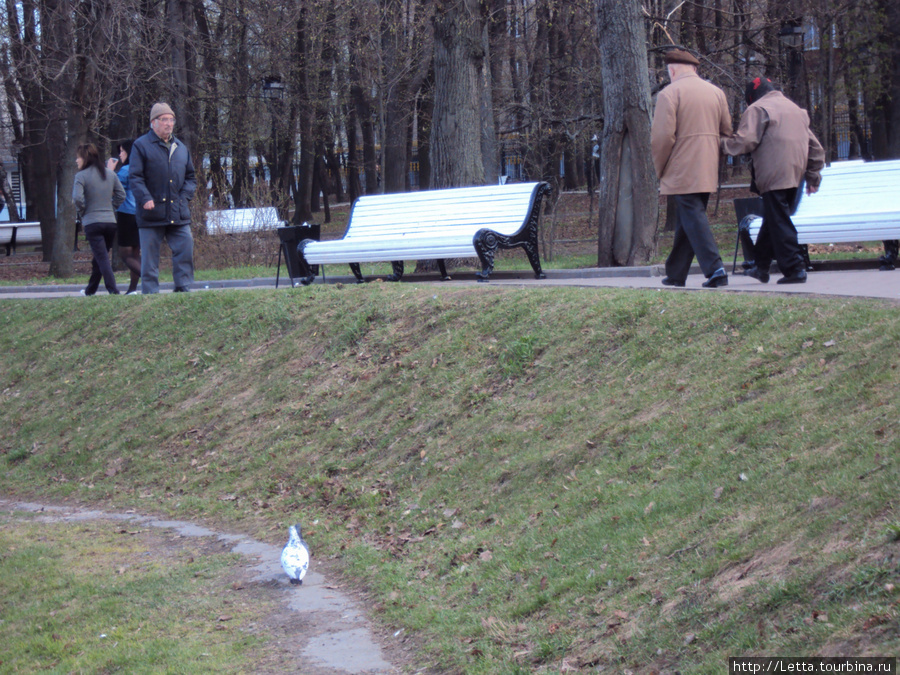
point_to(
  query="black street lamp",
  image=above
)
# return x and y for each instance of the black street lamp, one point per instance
(273, 88)
(272, 93)
(791, 36)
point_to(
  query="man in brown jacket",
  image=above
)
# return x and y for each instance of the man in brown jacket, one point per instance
(690, 117)
(784, 151)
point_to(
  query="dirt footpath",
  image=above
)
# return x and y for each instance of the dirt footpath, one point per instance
(321, 630)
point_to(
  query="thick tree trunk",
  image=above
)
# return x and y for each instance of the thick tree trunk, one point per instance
(489, 154)
(456, 158)
(183, 58)
(57, 32)
(628, 183)
(240, 122)
(425, 111)
(893, 117)
(303, 192)
(406, 64)
(354, 188)
(394, 158)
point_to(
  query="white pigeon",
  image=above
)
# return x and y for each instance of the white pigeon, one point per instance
(295, 556)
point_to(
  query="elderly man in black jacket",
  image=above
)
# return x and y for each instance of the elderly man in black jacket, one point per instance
(163, 182)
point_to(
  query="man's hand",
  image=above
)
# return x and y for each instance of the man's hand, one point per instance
(810, 189)
(148, 206)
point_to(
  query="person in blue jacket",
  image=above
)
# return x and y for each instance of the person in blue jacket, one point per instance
(163, 182)
(129, 239)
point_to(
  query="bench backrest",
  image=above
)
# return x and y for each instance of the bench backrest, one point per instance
(857, 201)
(453, 212)
(857, 187)
(242, 220)
(26, 233)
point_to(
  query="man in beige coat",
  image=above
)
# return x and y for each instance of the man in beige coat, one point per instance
(690, 118)
(784, 152)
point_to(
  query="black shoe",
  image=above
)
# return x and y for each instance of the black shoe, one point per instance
(798, 277)
(719, 278)
(887, 263)
(758, 274)
(669, 281)
(181, 289)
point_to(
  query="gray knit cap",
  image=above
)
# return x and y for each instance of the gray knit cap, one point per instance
(160, 109)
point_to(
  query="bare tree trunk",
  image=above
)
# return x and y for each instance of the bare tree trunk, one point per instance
(893, 30)
(456, 158)
(628, 183)
(303, 195)
(210, 144)
(57, 30)
(489, 154)
(240, 119)
(406, 64)
(425, 111)
(354, 189)
(362, 104)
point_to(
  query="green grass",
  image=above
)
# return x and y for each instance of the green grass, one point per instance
(91, 597)
(521, 479)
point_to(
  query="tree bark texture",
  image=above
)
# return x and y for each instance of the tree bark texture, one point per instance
(459, 58)
(58, 47)
(629, 202)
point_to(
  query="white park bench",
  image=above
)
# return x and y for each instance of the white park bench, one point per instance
(13, 235)
(434, 225)
(235, 221)
(857, 202)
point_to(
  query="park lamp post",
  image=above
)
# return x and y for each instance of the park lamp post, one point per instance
(791, 36)
(272, 91)
(273, 88)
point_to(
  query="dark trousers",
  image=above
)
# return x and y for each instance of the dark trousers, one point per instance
(692, 237)
(777, 236)
(100, 237)
(180, 241)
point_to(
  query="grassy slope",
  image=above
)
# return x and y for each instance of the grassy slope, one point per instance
(525, 479)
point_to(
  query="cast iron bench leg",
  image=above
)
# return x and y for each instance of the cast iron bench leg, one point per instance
(397, 266)
(354, 267)
(443, 268)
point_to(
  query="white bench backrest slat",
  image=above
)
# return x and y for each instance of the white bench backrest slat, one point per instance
(242, 220)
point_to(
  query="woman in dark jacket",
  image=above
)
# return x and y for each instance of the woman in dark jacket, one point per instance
(129, 240)
(97, 192)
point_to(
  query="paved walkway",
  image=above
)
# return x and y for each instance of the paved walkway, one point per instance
(863, 283)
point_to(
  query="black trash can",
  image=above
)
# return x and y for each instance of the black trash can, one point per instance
(291, 236)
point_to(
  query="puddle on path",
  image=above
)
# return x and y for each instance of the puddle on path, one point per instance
(338, 638)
